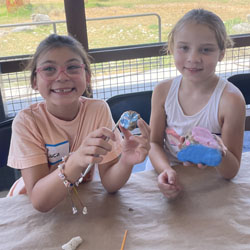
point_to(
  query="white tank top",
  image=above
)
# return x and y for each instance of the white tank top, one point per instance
(207, 117)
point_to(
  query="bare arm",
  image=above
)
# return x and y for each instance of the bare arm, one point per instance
(45, 188)
(232, 119)
(39, 183)
(158, 125)
(168, 182)
(134, 150)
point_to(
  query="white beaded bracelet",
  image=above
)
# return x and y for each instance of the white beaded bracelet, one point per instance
(61, 174)
(71, 186)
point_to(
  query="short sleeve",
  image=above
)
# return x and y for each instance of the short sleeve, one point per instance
(27, 148)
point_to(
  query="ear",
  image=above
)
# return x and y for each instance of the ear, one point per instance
(34, 84)
(222, 54)
(88, 77)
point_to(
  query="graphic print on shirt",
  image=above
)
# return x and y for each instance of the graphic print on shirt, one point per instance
(57, 151)
(173, 139)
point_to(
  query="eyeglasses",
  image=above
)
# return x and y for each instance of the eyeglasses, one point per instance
(51, 72)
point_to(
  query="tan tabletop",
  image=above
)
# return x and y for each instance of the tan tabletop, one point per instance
(210, 214)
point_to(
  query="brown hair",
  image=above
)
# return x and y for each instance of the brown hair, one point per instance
(204, 17)
(58, 41)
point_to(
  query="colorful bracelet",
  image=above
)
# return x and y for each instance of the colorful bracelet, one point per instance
(61, 174)
(71, 186)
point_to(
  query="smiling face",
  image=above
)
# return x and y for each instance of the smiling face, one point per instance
(196, 52)
(66, 89)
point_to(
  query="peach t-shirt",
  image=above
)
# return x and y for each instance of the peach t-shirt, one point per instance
(38, 137)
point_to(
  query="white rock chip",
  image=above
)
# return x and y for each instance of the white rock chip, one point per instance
(72, 244)
(40, 18)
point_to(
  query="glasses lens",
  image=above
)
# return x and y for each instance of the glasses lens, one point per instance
(48, 71)
(74, 69)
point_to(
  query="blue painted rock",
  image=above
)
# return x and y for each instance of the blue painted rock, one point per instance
(129, 119)
(197, 153)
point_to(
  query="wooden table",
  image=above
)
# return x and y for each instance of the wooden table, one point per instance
(211, 213)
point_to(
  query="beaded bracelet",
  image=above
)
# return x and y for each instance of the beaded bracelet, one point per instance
(61, 174)
(71, 186)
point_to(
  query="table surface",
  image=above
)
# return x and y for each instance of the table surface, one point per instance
(211, 213)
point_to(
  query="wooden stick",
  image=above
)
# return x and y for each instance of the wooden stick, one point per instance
(91, 164)
(124, 239)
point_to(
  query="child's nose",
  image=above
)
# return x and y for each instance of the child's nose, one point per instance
(194, 56)
(62, 74)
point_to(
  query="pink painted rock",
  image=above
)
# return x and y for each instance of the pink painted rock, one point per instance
(204, 137)
(200, 146)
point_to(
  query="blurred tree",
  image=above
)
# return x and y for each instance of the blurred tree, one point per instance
(12, 5)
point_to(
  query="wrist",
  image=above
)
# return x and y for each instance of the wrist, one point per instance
(123, 161)
(224, 151)
(70, 169)
(167, 169)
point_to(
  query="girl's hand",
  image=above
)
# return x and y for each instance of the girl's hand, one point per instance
(168, 184)
(222, 147)
(199, 165)
(94, 146)
(136, 147)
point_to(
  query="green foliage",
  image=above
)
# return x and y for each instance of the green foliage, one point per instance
(153, 27)
(22, 12)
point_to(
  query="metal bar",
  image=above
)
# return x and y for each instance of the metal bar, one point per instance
(54, 28)
(131, 16)
(89, 19)
(240, 40)
(30, 24)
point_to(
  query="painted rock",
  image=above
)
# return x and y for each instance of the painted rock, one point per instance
(129, 119)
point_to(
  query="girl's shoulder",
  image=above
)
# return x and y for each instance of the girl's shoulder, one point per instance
(94, 106)
(165, 83)
(26, 114)
(84, 99)
(93, 102)
(232, 94)
(162, 88)
(232, 101)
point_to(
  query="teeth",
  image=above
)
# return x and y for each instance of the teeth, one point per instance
(62, 90)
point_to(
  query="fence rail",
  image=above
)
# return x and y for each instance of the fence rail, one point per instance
(55, 23)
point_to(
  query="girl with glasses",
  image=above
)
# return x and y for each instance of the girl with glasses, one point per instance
(54, 141)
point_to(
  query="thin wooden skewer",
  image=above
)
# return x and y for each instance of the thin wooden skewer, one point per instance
(74, 209)
(124, 239)
(91, 165)
(84, 208)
